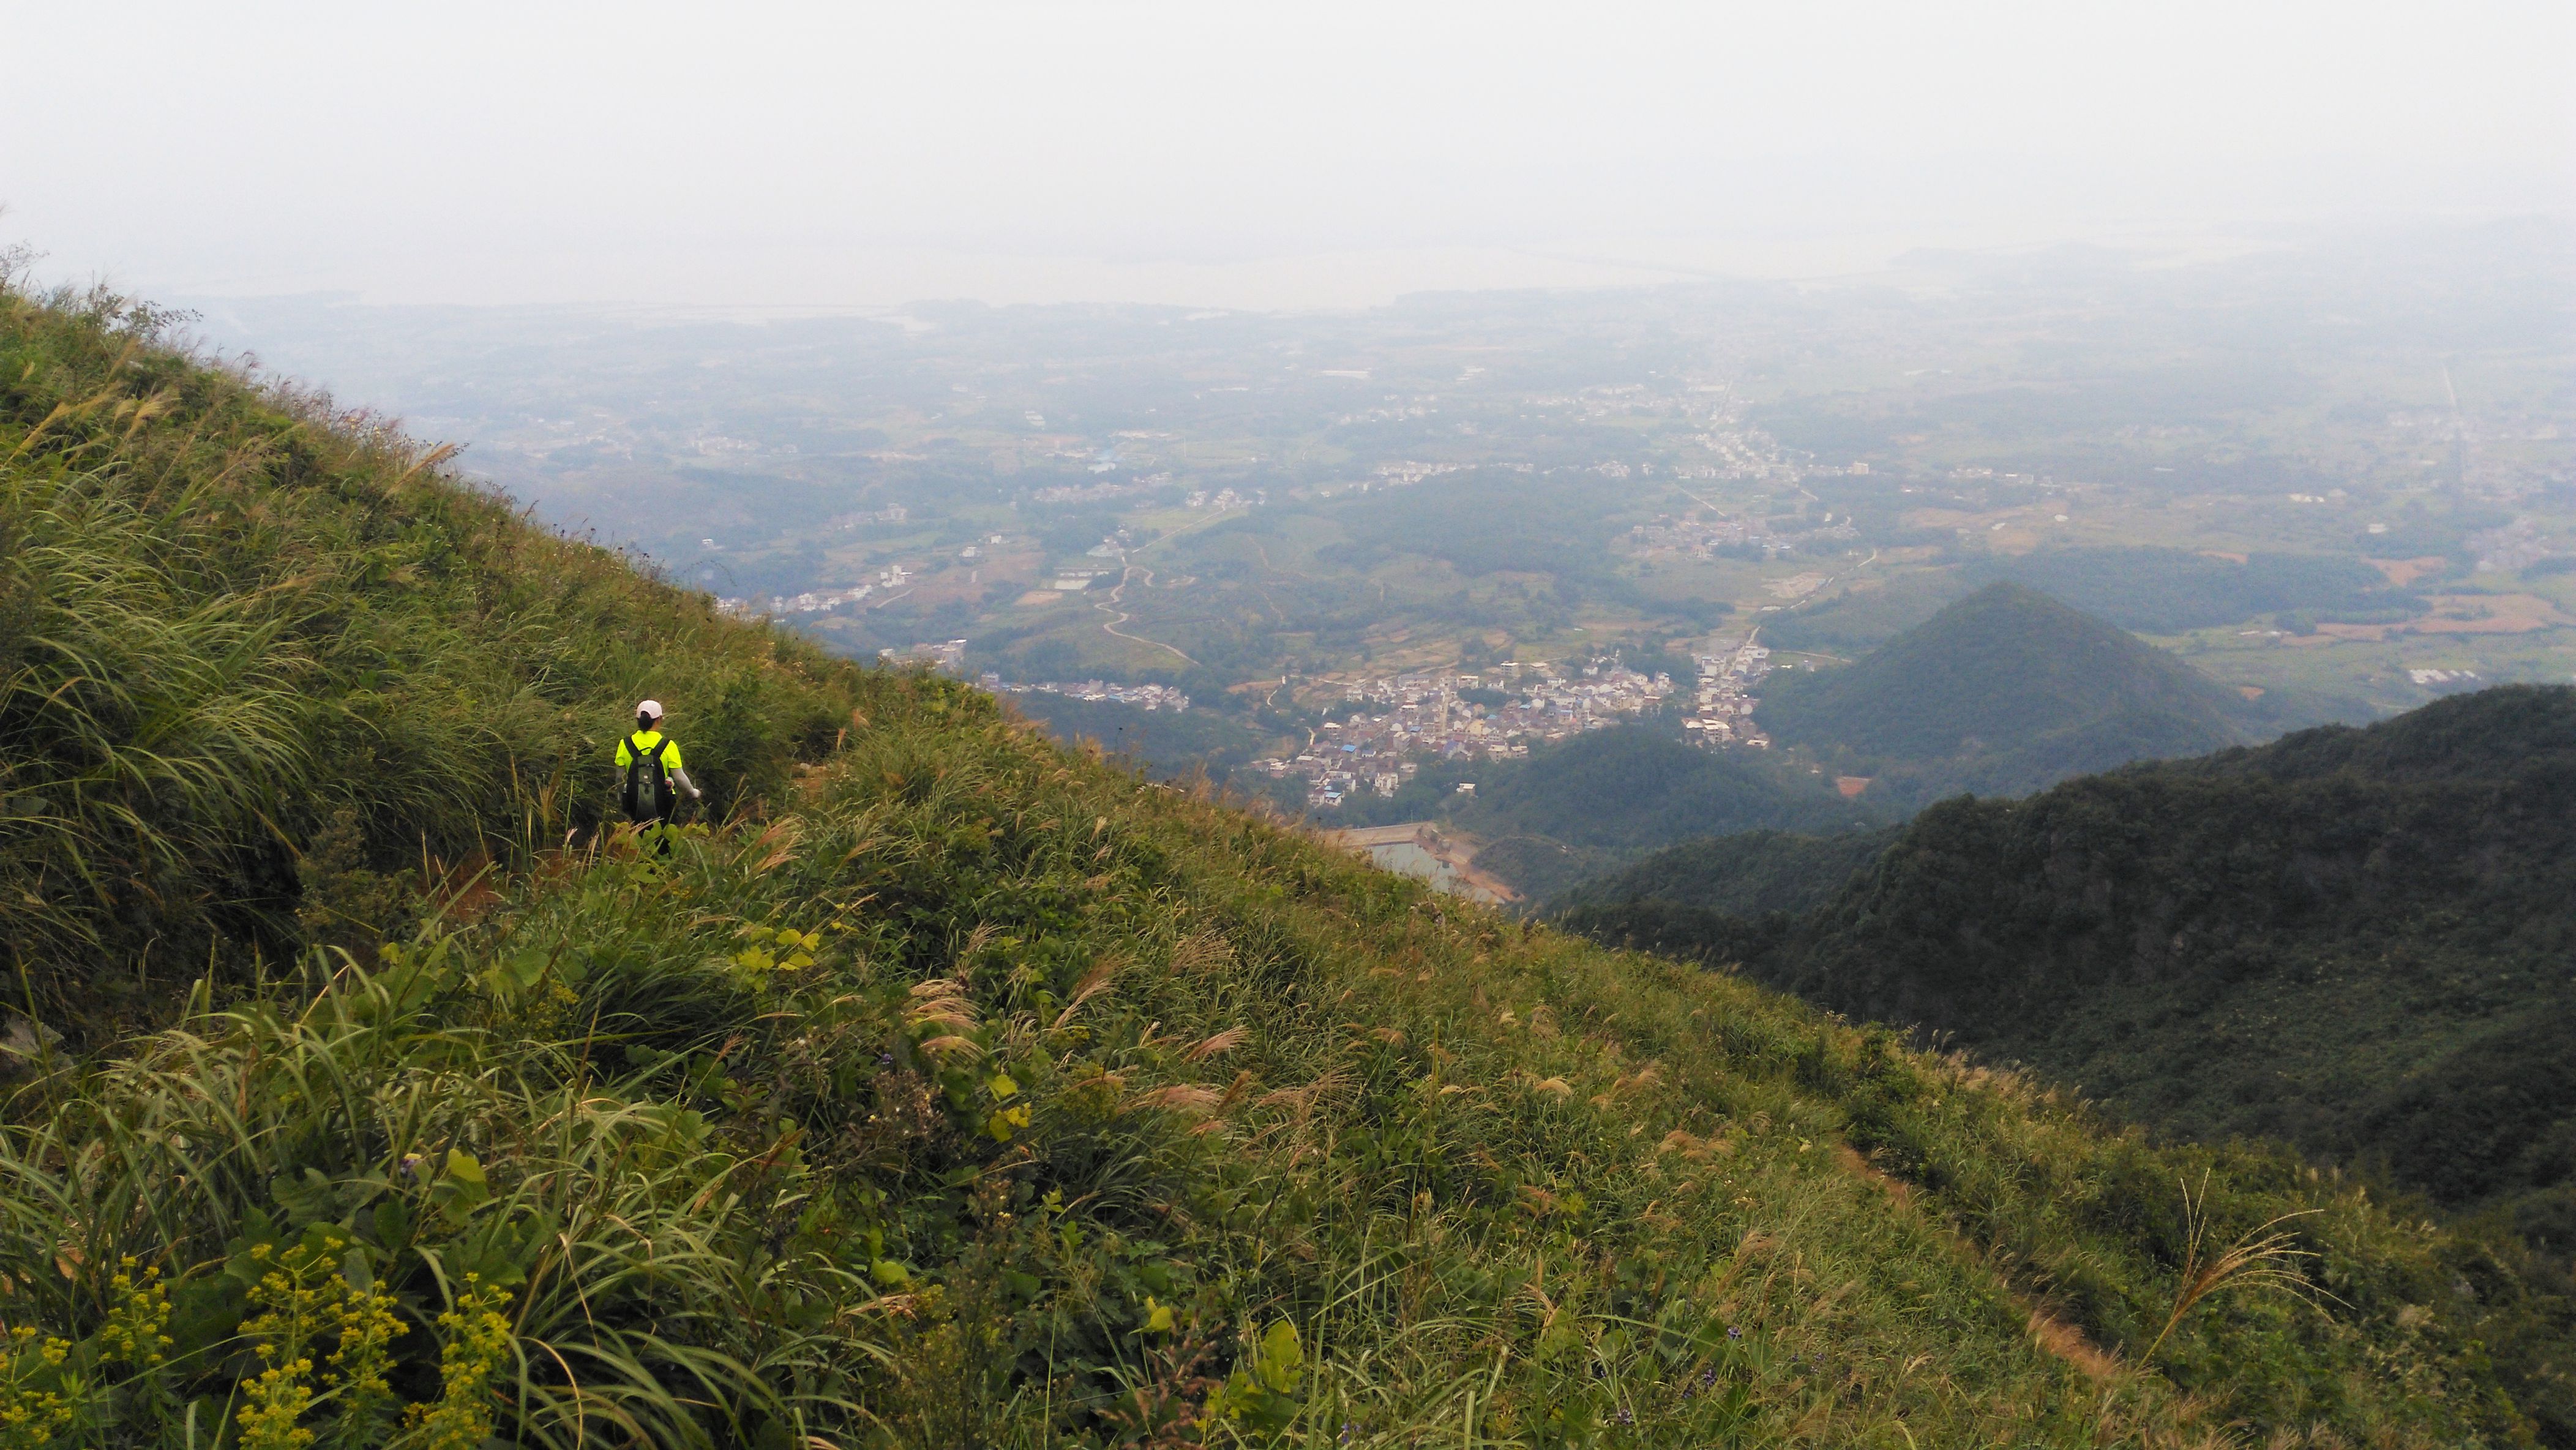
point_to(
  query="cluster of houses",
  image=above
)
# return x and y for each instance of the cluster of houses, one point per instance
(950, 656)
(1694, 536)
(817, 601)
(947, 655)
(1225, 498)
(1726, 700)
(1142, 697)
(1691, 536)
(1398, 721)
(890, 514)
(1101, 492)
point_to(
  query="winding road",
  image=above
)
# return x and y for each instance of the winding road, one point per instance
(1121, 616)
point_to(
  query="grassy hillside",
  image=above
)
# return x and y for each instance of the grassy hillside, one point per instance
(2002, 692)
(2352, 939)
(961, 1090)
(254, 655)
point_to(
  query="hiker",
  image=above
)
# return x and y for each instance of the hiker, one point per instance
(651, 761)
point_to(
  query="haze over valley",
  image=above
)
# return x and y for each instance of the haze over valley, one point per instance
(2333, 479)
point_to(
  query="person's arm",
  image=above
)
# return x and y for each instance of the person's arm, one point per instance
(679, 768)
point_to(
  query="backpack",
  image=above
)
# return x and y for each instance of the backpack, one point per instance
(648, 792)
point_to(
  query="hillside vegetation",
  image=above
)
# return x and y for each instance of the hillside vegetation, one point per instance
(1751, 874)
(954, 1089)
(255, 655)
(1587, 805)
(2355, 940)
(2002, 692)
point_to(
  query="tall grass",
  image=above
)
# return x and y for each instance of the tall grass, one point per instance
(234, 622)
(149, 730)
(2266, 1256)
(993, 1098)
(639, 1283)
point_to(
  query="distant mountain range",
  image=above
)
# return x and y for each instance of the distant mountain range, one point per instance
(2355, 939)
(2004, 692)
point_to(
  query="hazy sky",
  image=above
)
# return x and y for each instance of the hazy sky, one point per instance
(1273, 154)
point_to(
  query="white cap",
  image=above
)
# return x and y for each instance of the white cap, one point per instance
(650, 707)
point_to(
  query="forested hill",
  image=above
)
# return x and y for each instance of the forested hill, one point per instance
(2003, 692)
(2354, 939)
(943, 1086)
(1580, 807)
(1749, 874)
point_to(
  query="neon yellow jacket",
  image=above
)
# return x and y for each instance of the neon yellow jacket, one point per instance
(649, 739)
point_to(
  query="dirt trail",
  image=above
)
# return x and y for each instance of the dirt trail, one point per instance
(2046, 1330)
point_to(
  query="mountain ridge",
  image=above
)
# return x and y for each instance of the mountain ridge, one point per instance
(2438, 831)
(2352, 938)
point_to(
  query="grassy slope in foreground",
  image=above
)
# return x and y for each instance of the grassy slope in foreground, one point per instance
(1074, 1107)
(2355, 940)
(1087, 1085)
(255, 656)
